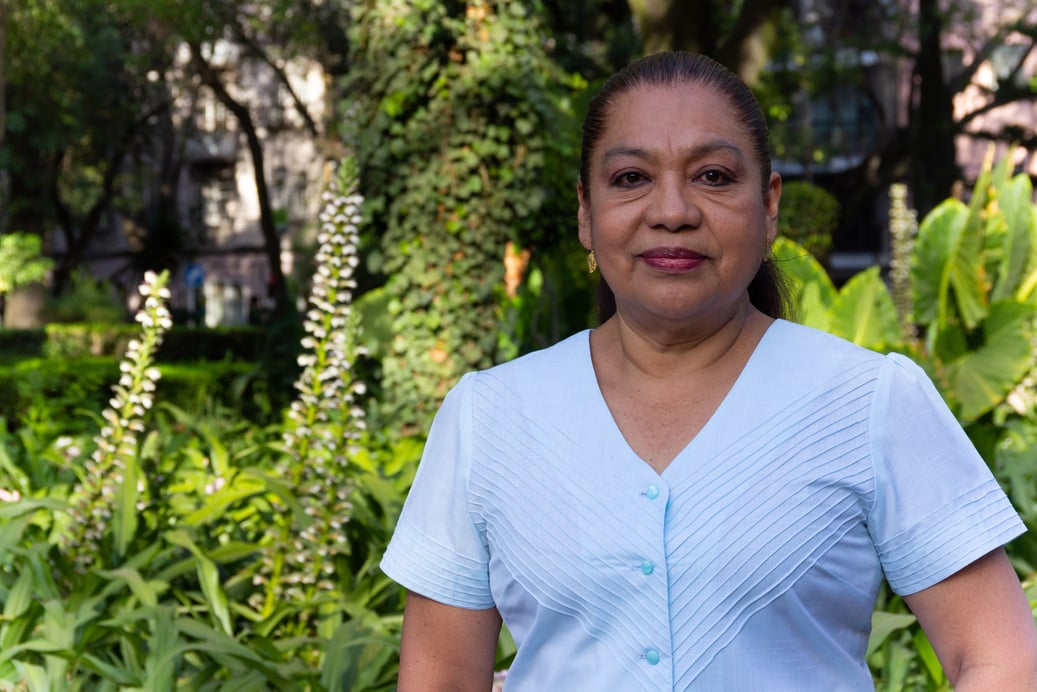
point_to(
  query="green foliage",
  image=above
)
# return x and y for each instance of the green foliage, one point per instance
(182, 343)
(861, 311)
(132, 558)
(462, 130)
(86, 300)
(21, 261)
(809, 217)
(82, 339)
(21, 343)
(55, 392)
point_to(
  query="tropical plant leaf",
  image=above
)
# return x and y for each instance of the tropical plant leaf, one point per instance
(968, 276)
(981, 378)
(938, 235)
(884, 624)
(863, 312)
(811, 291)
(1015, 206)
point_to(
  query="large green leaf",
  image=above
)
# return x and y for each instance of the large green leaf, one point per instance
(1015, 207)
(864, 313)
(938, 235)
(968, 276)
(811, 291)
(884, 624)
(948, 263)
(983, 377)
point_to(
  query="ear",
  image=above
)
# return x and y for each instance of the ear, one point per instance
(583, 217)
(771, 203)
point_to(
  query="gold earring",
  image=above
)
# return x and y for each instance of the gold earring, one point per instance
(592, 262)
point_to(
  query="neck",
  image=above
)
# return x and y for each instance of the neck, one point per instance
(632, 349)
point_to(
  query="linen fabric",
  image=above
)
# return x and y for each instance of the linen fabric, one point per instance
(752, 562)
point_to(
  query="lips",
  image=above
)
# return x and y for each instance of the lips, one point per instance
(672, 259)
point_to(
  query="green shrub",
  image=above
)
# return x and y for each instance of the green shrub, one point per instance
(86, 300)
(182, 343)
(56, 392)
(191, 549)
(244, 343)
(21, 343)
(809, 216)
(76, 340)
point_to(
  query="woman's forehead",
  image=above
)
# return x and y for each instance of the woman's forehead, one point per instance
(674, 112)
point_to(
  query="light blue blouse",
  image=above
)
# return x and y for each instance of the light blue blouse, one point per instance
(752, 562)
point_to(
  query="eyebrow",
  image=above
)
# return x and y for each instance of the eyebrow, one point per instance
(696, 151)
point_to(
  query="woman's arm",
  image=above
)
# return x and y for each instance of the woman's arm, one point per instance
(447, 649)
(981, 627)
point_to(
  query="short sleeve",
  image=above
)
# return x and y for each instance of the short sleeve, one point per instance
(937, 507)
(436, 549)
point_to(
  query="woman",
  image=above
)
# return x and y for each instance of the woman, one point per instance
(697, 495)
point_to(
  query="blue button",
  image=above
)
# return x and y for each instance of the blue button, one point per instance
(647, 567)
(652, 656)
(651, 492)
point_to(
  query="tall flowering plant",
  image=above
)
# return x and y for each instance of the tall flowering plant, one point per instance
(324, 422)
(109, 487)
(903, 228)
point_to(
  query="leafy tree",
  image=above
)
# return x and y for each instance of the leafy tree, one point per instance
(79, 103)
(464, 144)
(21, 263)
(740, 35)
(269, 34)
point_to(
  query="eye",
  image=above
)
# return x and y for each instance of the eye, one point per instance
(628, 179)
(715, 177)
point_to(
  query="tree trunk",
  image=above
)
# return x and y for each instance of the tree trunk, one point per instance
(934, 169)
(697, 26)
(271, 241)
(4, 186)
(671, 25)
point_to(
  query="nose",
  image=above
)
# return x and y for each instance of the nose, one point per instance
(672, 206)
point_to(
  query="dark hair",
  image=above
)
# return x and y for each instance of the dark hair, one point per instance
(671, 68)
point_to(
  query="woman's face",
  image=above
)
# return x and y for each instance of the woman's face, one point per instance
(674, 208)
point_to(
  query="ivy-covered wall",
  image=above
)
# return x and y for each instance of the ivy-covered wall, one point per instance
(465, 141)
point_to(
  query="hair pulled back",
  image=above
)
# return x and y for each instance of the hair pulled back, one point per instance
(676, 68)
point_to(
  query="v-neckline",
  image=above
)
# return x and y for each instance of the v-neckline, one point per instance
(711, 422)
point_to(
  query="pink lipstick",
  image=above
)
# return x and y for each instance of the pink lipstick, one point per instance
(674, 260)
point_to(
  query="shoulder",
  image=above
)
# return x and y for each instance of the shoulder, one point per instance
(544, 385)
(805, 352)
(549, 366)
